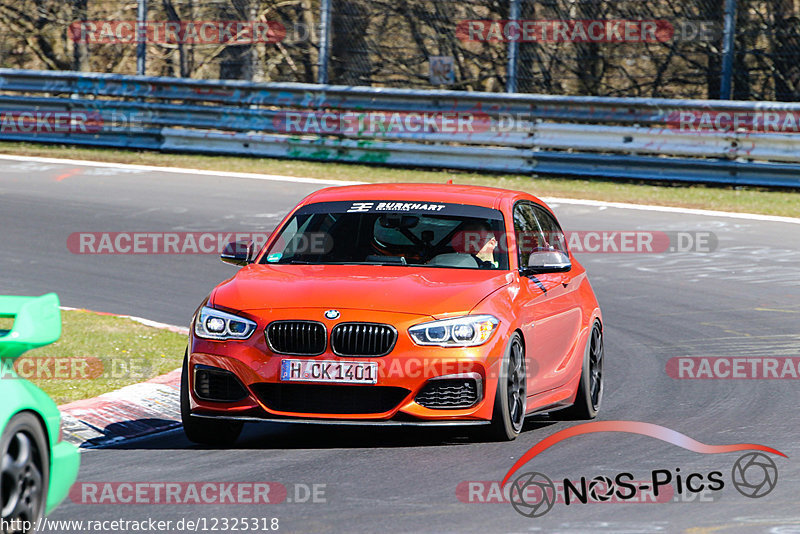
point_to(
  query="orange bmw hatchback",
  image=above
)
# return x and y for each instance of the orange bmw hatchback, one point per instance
(398, 304)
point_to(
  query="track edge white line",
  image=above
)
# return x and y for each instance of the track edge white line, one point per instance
(302, 180)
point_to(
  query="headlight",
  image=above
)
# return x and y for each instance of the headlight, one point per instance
(216, 324)
(467, 331)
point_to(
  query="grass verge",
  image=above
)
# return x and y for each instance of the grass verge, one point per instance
(738, 199)
(100, 353)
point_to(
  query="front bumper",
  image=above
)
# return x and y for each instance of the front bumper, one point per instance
(402, 374)
(64, 463)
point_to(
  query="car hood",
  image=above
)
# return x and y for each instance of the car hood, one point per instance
(421, 291)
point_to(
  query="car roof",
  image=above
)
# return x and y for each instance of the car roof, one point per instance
(419, 192)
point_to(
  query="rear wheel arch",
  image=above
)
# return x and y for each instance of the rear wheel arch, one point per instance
(596, 318)
(525, 354)
(584, 406)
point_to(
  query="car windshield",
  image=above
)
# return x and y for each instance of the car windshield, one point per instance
(420, 234)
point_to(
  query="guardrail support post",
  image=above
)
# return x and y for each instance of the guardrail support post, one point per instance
(728, 49)
(513, 51)
(324, 42)
(141, 37)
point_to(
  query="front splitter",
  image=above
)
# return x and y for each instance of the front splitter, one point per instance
(351, 422)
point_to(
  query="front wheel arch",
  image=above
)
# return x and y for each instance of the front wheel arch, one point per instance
(30, 423)
(511, 385)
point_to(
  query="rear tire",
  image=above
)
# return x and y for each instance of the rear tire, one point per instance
(590, 390)
(511, 396)
(25, 473)
(220, 433)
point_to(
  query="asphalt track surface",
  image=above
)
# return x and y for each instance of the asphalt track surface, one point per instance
(743, 299)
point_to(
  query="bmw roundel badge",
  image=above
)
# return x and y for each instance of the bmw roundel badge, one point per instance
(332, 314)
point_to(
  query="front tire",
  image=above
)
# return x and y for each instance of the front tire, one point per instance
(204, 431)
(25, 473)
(511, 396)
(590, 389)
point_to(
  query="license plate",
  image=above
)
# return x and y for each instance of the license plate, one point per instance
(329, 371)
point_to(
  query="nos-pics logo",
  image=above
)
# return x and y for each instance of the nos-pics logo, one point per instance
(533, 494)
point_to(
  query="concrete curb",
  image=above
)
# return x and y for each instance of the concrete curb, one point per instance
(128, 413)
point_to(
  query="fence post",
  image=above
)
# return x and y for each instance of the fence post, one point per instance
(324, 42)
(141, 37)
(728, 49)
(513, 51)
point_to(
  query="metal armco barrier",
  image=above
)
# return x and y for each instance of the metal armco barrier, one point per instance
(748, 143)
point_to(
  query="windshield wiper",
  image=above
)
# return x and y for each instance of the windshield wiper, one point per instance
(296, 262)
(385, 260)
(370, 260)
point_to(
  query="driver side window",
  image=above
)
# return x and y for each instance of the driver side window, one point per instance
(553, 235)
(528, 235)
(536, 231)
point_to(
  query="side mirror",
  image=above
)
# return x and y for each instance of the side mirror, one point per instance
(547, 261)
(238, 253)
